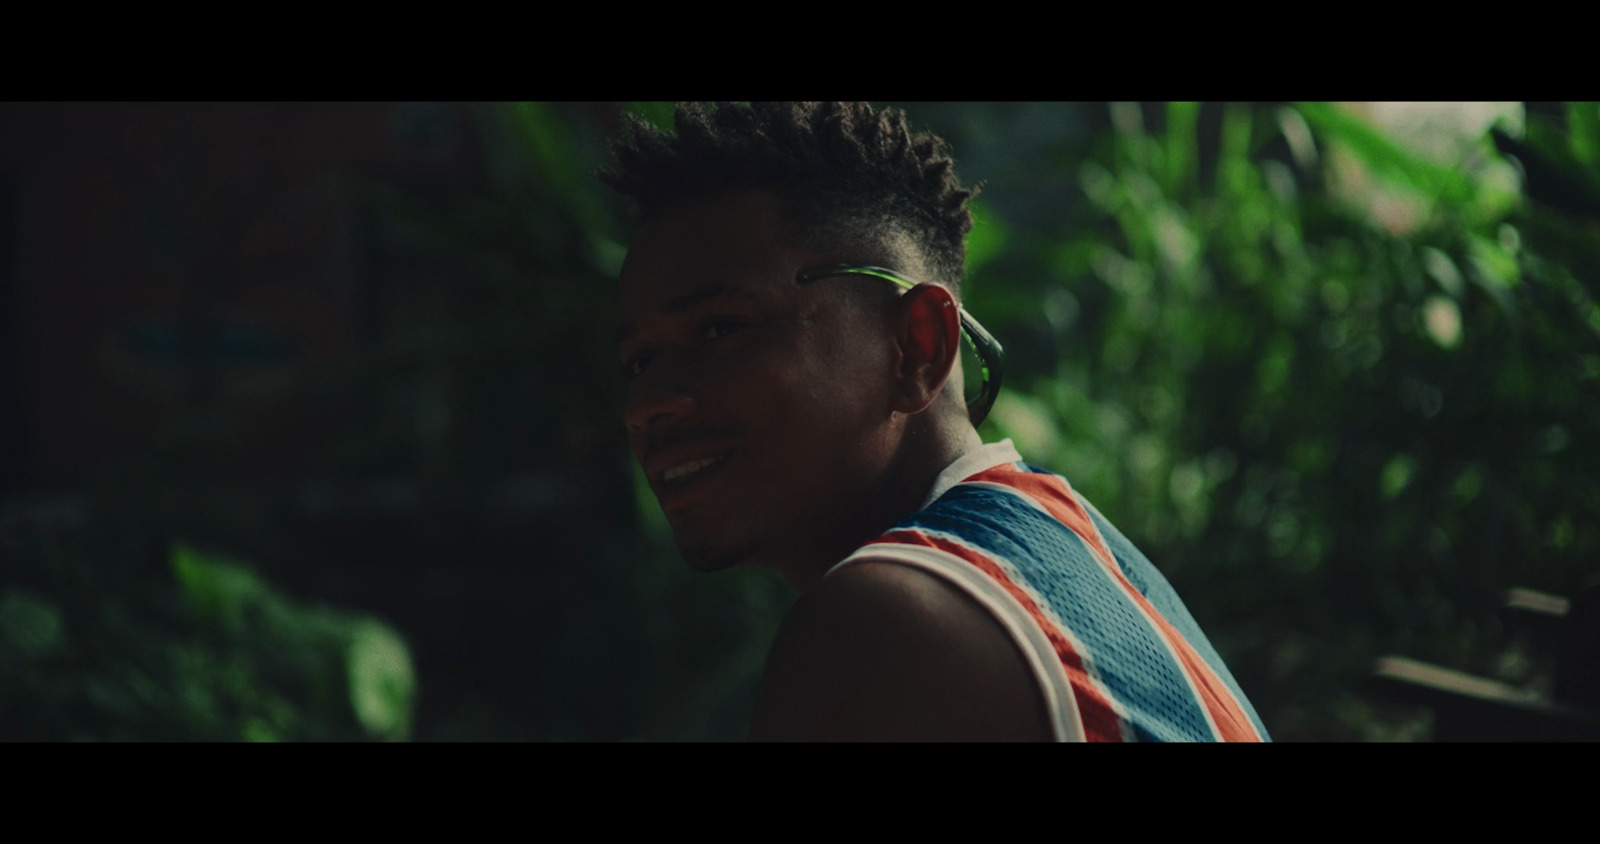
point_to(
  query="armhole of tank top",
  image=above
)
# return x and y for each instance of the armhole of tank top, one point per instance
(1036, 649)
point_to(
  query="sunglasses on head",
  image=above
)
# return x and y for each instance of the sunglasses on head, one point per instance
(991, 358)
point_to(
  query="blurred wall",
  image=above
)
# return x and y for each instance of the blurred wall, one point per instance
(248, 325)
(145, 230)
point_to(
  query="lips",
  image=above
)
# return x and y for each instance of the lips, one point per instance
(681, 461)
(687, 469)
(682, 481)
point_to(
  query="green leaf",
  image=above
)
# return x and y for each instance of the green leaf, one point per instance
(1234, 171)
(1029, 422)
(1583, 120)
(1397, 475)
(217, 589)
(383, 683)
(1563, 153)
(988, 236)
(651, 518)
(660, 114)
(554, 148)
(1182, 119)
(30, 624)
(1386, 159)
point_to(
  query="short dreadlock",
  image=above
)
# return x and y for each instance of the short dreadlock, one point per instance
(842, 168)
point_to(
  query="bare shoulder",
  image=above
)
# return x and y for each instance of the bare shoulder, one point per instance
(885, 652)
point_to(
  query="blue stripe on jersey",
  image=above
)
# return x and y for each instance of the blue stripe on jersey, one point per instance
(1148, 579)
(1130, 657)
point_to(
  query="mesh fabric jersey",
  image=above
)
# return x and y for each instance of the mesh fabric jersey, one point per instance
(1116, 654)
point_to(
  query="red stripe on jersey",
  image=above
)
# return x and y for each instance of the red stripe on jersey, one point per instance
(1058, 499)
(1100, 722)
(1051, 493)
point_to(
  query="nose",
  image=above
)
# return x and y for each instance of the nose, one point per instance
(654, 401)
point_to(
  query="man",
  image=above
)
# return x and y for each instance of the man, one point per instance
(790, 336)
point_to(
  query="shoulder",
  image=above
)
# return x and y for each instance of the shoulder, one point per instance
(882, 651)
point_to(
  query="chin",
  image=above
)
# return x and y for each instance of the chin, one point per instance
(705, 554)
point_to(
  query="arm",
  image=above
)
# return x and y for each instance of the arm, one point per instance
(885, 652)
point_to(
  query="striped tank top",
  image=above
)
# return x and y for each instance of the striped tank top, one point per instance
(1114, 651)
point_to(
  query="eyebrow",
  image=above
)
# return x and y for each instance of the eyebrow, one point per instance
(678, 304)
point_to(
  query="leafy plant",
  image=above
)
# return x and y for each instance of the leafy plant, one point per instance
(1340, 432)
(96, 649)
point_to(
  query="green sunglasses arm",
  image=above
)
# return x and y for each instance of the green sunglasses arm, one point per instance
(991, 356)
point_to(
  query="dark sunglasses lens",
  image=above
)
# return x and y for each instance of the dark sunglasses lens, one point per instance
(971, 370)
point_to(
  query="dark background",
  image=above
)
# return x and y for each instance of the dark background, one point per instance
(309, 416)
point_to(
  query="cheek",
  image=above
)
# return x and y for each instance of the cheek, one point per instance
(763, 375)
(847, 372)
(807, 390)
(812, 382)
(778, 397)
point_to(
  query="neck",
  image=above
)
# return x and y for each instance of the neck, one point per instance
(924, 451)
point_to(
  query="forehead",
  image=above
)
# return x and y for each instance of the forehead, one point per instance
(732, 241)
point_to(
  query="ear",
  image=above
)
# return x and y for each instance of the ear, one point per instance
(927, 326)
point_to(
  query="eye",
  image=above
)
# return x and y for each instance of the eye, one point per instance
(634, 367)
(718, 329)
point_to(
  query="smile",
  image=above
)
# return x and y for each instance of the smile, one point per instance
(682, 484)
(690, 468)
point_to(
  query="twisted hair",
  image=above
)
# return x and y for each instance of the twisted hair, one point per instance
(841, 170)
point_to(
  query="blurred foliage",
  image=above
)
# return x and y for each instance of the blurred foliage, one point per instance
(1340, 431)
(101, 645)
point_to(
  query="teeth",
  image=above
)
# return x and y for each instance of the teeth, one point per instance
(687, 468)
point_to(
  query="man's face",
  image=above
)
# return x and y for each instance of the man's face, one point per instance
(756, 405)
